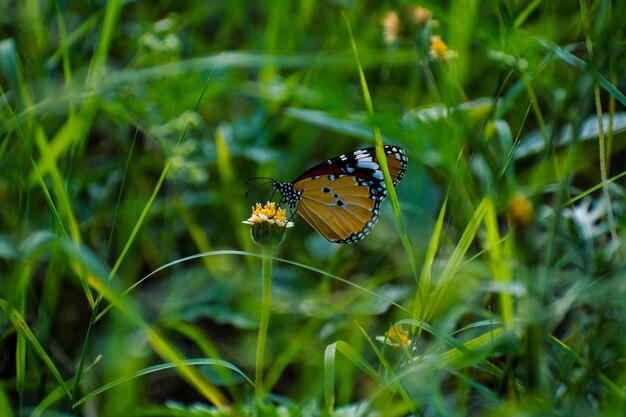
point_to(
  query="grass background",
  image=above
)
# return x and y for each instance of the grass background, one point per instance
(128, 129)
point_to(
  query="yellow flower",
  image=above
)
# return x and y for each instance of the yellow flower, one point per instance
(396, 336)
(270, 214)
(392, 24)
(439, 50)
(268, 224)
(392, 28)
(420, 15)
(521, 211)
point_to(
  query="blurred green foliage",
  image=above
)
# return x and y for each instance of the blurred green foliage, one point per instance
(128, 130)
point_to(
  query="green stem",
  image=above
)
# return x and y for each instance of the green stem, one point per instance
(84, 352)
(603, 155)
(265, 318)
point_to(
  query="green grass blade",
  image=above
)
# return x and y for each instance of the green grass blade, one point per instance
(474, 351)
(256, 255)
(52, 398)
(436, 333)
(198, 336)
(64, 138)
(58, 185)
(24, 330)
(8, 57)
(456, 259)
(330, 356)
(576, 62)
(156, 189)
(511, 154)
(20, 348)
(466, 240)
(197, 233)
(11, 67)
(5, 406)
(105, 36)
(618, 390)
(382, 159)
(397, 386)
(162, 367)
(140, 220)
(4, 145)
(98, 279)
(51, 205)
(67, 41)
(521, 17)
(67, 69)
(424, 289)
(41, 141)
(57, 394)
(592, 189)
(464, 354)
(120, 192)
(472, 354)
(500, 271)
(61, 228)
(231, 188)
(64, 215)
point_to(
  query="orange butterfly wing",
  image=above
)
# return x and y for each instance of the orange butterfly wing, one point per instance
(342, 209)
(341, 198)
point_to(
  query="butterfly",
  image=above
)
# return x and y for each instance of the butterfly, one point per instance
(341, 198)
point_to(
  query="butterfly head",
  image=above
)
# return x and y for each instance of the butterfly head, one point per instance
(289, 194)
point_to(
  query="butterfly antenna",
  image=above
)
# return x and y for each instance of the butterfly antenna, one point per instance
(254, 187)
(249, 180)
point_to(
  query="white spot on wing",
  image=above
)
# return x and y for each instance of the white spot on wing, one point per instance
(367, 164)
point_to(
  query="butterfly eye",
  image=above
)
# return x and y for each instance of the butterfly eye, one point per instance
(341, 198)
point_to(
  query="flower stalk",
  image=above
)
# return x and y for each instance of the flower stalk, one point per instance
(268, 230)
(267, 251)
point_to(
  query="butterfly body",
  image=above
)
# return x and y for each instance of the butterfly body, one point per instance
(341, 198)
